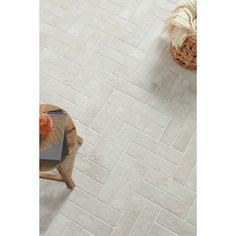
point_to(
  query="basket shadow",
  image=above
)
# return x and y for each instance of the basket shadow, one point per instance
(176, 86)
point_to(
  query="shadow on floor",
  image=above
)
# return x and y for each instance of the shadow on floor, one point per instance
(52, 197)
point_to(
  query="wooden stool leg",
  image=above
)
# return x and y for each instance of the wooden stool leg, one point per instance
(79, 139)
(66, 177)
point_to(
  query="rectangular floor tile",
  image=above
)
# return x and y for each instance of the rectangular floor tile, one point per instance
(129, 218)
(129, 89)
(170, 186)
(148, 158)
(85, 219)
(94, 206)
(135, 78)
(114, 181)
(91, 169)
(138, 122)
(86, 183)
(160, 231)
(128, 187)
(176, 224)
(154, 116)
(107, 111)
(158, 148)
(163, 199)
(188, 162)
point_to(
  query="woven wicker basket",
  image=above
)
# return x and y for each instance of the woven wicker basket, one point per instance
(186, 55)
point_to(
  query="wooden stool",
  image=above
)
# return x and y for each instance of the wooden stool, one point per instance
(65, 166)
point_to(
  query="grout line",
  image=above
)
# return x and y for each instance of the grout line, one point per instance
(88, 212)
(64, 99)
(95, 199)
(99, 182)
(155, 154)
(155, 220)
(180, 217)
(146, 165)
(151, 122)
(133, 226)
(93, 163)
(171, 193)
(134, 48)
(101, 110)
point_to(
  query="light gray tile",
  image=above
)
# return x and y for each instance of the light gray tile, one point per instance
(188, 162)
(57, 34)
(95, 105)
(52, 44)
(117, 56)
(141, 30)
(52, 8)
(68, 93)
(171, 131)
(86, 149)
(163, 199)
(48, 18)
(192, 180)
(146, 112)
(94, 206)
(107, 112)
(56, 72)
(163, 90)
(192, 215)
(146, 219)
(135, 78)
(109, 6)
(72, 230)
(60, 61)
(58, 225)
(83, 48)
(170, 186)
(112, 129)
(151, 37)
(141, 11)
(114, 181)
(52, 98)
(158, 148)
(176, 224)
(87, 134)
(128, 187)
(125, 48)
(128, 88)
(138, 122)
(91, 169)
(85, 219)
(84, 14)
(129, 218)
(87, 233)
(109, 155)
(86, 183)
(109, 28)
(160, 231)
(129, 8)
(186, 132)
(150, 159)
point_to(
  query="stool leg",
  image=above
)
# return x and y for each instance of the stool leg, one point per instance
(79, 140)
(66, 177)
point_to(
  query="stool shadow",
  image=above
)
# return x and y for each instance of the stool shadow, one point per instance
(52, 197)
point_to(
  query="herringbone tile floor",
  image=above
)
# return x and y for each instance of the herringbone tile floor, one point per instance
(107, 63)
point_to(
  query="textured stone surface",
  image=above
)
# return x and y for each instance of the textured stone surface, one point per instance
(107, 63)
